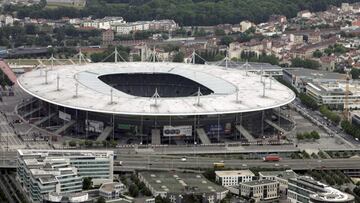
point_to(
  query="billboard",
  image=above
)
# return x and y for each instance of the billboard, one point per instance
(64, 116)
(94, 126)
(173, 131)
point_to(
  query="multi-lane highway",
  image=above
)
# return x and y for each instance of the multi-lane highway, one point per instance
(168, 163)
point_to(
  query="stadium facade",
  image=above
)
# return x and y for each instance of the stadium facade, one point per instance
(154, 101)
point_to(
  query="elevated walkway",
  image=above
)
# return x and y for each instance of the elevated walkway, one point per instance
(155, 137)
(105, 134)
(274, 125)
(245, 133)
(203, 136)
(65, 127)
(46, 118)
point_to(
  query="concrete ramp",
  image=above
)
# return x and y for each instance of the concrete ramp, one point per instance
(46, 118)
(155, 137)
(65, 127)
(203, 136)
(31, 112)
(245, 133)
(272, 124)
(105, 134)
(8, 72)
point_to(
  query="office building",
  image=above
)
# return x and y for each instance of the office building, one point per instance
(258, 190)
(41, 172)
(281, 176)
(233, 178)
(305, 189)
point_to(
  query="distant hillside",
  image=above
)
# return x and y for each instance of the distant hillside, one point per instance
(185, 12)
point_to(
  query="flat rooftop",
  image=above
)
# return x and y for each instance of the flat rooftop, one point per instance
(176, 182)
(59, 154)
(234, 173)
(314, 74)
(95, 95)
(259, 182)
(281, 174)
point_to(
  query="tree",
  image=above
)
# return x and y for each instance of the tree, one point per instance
(72, 143)
(355, 73)
(178, 57)
(315, 135)
(219, 32)
(226, 40)
(133, 190)
(317, 54)
(87, 183)
(307, 63)
(101, 200)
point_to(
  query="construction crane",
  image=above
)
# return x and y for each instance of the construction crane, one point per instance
(346, 111)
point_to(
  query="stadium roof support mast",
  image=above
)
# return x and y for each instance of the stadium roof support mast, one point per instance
(237, 95)
(261, 74)
(76, 89)
(270, 78)
(264, 84)
(52, 61)
(199, 94)
(111, 96)
(155, 96)
(58, 82)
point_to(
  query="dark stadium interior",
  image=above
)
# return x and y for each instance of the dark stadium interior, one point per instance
(145, 84)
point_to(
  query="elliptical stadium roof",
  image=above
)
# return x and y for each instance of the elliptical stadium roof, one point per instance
(95, 96)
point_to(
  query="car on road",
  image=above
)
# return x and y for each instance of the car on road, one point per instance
(183, 159)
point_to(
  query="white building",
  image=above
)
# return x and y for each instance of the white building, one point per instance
(245, 25)
(61, 171)
(305, 189)
(155, 25)
(112, 190)
(104, 23)
(260, 190)
(280, 176)
(233, 178)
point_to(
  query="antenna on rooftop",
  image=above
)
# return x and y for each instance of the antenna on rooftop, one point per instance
(155, 96)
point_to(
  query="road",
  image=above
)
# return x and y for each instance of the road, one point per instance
(156, 162)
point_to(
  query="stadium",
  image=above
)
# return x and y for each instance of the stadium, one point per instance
(157, 103)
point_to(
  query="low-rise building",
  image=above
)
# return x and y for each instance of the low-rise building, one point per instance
(112, 190)
(233, 178)
(305, 189)
(299, 77)
(259, 190)
(280, 176)
(179, 187)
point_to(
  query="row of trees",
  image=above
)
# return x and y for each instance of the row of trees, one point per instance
(308, 101)
(90, 143)
(305, 63)
(334, 117)
(331, 177)
(313, 135)
(204, 12)
(350, 129)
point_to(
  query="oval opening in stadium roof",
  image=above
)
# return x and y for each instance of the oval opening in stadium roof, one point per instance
(145, 84)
